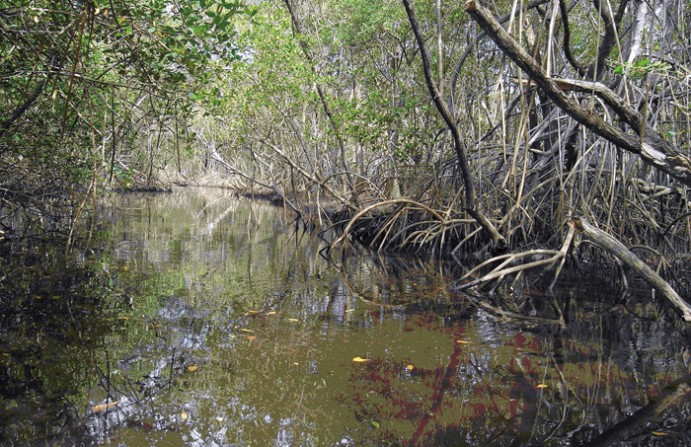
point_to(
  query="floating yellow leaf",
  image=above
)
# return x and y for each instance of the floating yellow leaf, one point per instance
(273, 312)
(192, 368)
(543, 385)
(463, 342)
(251, 313)
(183, 416)
(251, 337)
(242, 329)
(349, 310)
(296, 363)
(359, 359)
(100, 408)
(293, 320)
(410, 367)
(659, 433)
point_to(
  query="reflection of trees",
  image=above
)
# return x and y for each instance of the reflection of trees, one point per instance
(54, 316)
(443, 367)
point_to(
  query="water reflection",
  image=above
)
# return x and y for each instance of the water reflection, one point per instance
(235, 330)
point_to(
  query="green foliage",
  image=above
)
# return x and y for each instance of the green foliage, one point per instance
(642, 67)
(81, 81)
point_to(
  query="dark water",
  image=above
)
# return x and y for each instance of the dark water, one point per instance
(200, 319)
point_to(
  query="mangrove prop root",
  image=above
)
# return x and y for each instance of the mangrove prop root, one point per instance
(608, 243)
(507, 264)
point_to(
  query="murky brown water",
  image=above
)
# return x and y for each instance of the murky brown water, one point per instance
(208, 320)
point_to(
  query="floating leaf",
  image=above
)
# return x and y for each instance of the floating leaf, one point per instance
(463, 342)
(543, 385)
(359, 359)
(192, 368)
(659, 433)
(242, 329)
(251, 337)
(183, 416)
(100, 408)
(251, 313)
(375, 424)
(410, 367)
(293, 320)
(273, 312)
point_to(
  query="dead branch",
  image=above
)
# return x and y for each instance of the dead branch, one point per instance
(608, 243)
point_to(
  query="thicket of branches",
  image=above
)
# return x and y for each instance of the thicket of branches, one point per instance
(444, 128)
(439, 127)
(457, 125)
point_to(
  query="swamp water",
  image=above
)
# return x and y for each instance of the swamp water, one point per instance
(203, 319)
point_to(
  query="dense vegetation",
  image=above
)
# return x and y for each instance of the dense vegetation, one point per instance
(442, 127)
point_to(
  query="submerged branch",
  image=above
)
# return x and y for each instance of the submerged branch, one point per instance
(673, 394)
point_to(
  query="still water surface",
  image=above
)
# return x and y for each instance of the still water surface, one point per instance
(221, 323)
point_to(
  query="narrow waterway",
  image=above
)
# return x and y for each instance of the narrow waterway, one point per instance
(201, 319)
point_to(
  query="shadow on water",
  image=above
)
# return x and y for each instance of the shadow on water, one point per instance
(202, 319)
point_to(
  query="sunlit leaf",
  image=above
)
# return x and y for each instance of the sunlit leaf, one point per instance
(100, 408)
(543, 385)
(293, 320)
(251, 313)
(273, 312)
(242, 329)
(192, 368)
(251, 337)
(183, 416)
(410, 367)
(463, 342)
(375, 424)
(359, 359)
(659, 433)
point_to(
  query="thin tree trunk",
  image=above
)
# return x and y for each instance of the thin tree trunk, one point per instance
(470, 206)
